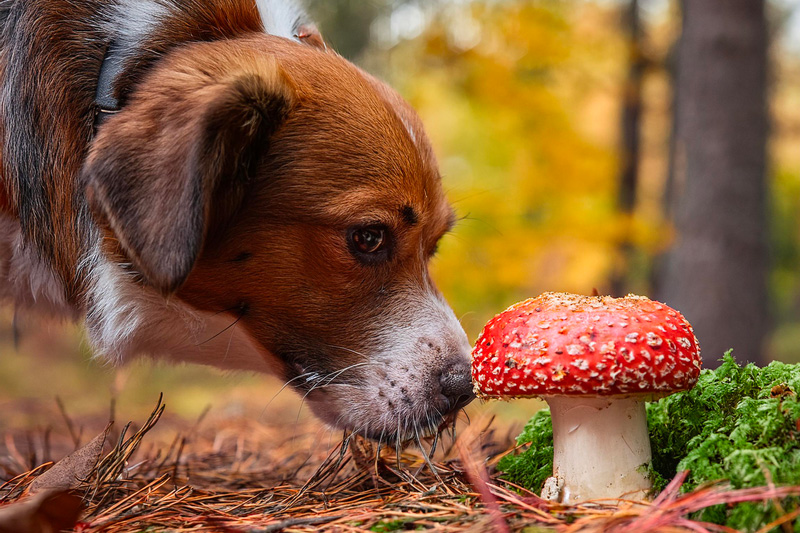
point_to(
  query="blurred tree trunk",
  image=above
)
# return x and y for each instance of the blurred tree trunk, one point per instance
(668, 202)
(716, 273)
(629, 144)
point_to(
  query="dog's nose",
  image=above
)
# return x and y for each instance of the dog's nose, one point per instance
(456, 383)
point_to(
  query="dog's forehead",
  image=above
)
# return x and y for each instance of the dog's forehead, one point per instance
(356, 138)
(350, 96)
(341, 96)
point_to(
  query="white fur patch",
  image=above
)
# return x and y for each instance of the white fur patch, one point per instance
(123, 318)
(281, 17)
(133, 20)
(126, 319)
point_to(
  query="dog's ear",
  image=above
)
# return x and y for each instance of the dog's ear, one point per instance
(309, 34)
(169, 162)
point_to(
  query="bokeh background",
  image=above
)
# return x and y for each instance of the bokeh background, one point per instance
(648, 146)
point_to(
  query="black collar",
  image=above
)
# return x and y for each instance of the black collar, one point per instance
(105, 98)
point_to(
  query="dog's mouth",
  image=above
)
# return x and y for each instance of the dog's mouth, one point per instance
(396, 428)
(380, 402)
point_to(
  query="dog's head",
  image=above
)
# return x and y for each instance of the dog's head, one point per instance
(284, 186)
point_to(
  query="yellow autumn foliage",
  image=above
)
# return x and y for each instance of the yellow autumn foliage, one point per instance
(524, 120)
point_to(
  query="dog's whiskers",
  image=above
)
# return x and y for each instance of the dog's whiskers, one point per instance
(226, 328)
(300, 376)
(379, 447)
(321, 383)
(347, 349)
(425, 454)
(230, 340)
(435, 443)
(333, 375)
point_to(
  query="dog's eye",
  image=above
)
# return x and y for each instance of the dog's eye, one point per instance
(369, 243)
(368, 240)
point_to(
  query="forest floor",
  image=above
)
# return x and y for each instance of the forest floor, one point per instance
(234, 474)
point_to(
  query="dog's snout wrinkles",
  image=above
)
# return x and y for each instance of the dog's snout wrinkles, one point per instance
(456, 383)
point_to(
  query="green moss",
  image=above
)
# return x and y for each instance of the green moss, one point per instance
(739, 423)
(531, 467)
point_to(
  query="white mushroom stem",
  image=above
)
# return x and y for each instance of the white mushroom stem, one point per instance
(600, 447)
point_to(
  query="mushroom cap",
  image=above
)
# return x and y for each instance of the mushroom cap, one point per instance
(567, 344)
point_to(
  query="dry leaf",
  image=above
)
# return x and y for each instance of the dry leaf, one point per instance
(72, 469)
(45, 512)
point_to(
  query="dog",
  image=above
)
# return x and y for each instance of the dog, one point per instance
(206, 182)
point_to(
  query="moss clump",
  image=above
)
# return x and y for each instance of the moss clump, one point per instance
(531, 467)
(741, 424)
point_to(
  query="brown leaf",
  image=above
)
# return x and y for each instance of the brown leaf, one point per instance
(45, 512)
(72, 469)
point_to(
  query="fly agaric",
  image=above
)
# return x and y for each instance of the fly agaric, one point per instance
(595, 361)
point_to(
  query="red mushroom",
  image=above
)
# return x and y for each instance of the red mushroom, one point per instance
(595, 360)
